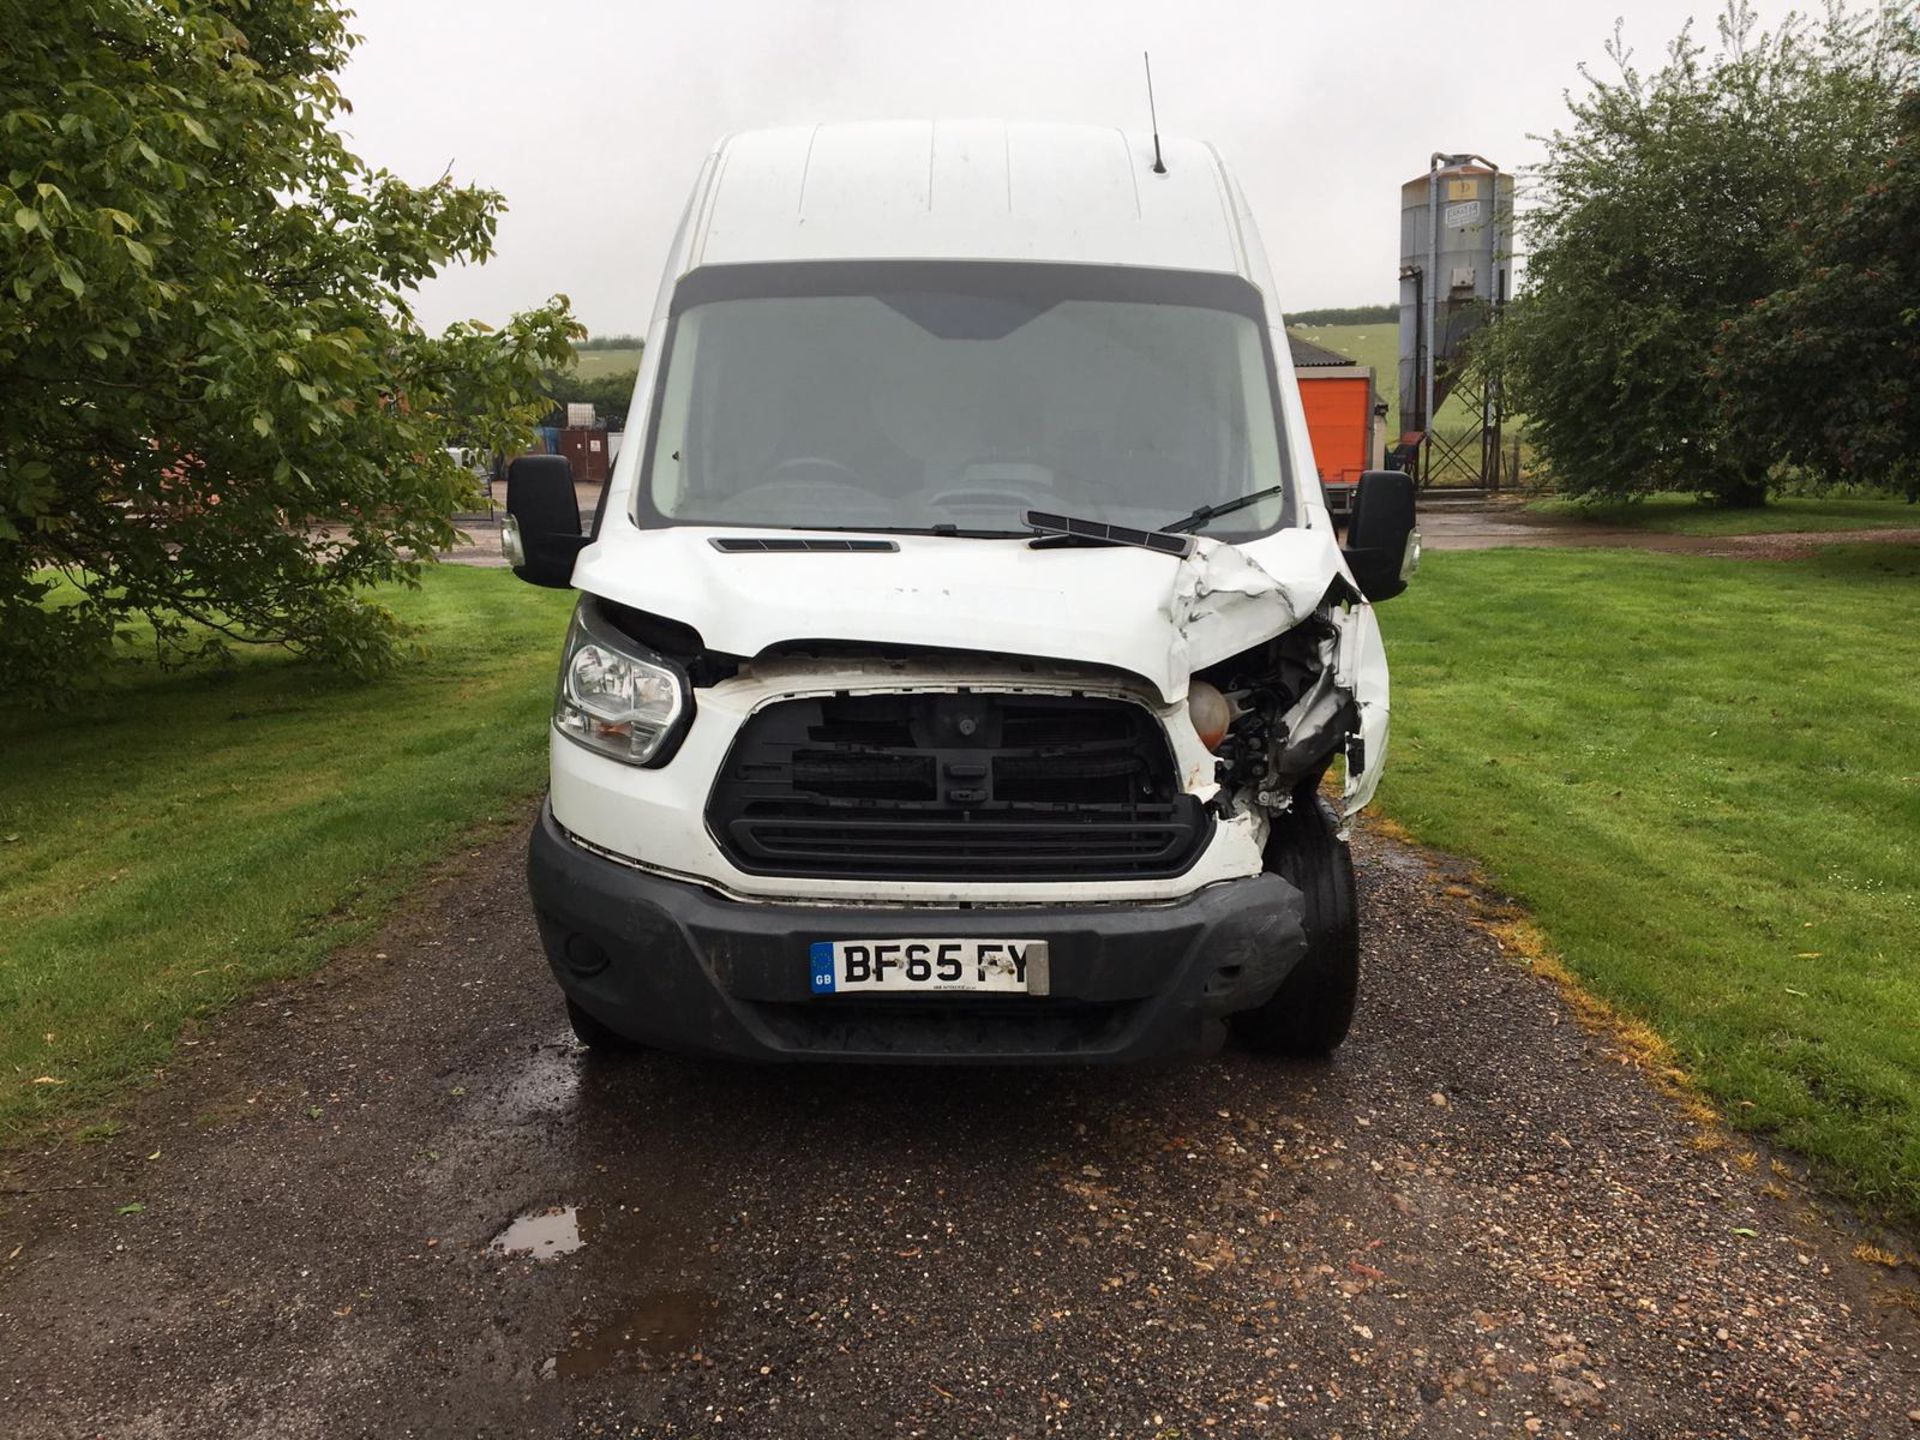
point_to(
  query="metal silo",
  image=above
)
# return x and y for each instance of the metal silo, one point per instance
(1455, 274)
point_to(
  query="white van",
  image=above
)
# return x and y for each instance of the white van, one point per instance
(963, 639)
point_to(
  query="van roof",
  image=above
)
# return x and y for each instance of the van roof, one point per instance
(965, 190)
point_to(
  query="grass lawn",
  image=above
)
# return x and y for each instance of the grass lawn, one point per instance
(1703, 778)
(592, 364)
(1687, 515)
(1375, 345)
(184, 835)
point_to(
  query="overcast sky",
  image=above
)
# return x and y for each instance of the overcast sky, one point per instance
(592, 118)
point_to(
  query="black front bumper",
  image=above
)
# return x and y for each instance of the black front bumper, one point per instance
(676, 966)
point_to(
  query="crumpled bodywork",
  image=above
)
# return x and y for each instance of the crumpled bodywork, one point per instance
(1132, 610)
(1273, 622)
(656, 818)
(1224, 605)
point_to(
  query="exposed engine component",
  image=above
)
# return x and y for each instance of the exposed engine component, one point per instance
(1291, 716)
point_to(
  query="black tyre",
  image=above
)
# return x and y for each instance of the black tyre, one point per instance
(597, 1036)
(1313, 1007)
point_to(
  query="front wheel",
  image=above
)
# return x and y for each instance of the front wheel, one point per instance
(1311, 1011)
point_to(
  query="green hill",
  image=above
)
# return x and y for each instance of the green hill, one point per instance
(592, 364)
(1379, 346)
(1375, 345)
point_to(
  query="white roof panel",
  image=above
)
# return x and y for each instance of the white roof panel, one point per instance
(980, 190)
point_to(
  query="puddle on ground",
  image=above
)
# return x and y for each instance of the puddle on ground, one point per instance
(648, 1275)
(543, 1234)
(660, 1324)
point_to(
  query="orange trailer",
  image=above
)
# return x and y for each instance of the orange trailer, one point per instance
(1338, 396)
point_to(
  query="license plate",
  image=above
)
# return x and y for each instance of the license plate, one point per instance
(866, 966)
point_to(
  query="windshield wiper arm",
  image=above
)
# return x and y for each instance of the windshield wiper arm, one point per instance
(1226, 507)
(1099, 532)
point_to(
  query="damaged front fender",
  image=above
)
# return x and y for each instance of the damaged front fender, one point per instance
(1302, 663)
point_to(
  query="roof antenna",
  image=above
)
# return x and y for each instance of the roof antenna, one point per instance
(1159, 165)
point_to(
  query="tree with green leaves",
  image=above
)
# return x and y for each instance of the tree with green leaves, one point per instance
(1668, 208)
(1829, 367)
(610, 395)
(218, 411)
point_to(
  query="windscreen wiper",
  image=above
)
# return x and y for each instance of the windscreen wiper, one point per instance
(1068, 528)
(1226, 507)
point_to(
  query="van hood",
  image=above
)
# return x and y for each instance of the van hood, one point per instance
(1152, 615)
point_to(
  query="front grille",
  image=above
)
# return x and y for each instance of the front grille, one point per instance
(959, 786)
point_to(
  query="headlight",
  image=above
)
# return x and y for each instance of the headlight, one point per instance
(1210, 711)
(618, 698)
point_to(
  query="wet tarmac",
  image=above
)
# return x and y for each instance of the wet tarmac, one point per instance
(396, 1199)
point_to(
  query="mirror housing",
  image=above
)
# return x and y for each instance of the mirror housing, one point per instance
(541, 534)
(1383, 547)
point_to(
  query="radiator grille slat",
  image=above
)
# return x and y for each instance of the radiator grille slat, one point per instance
(964, 785)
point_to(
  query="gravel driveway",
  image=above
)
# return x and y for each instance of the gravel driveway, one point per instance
(1475, 1221)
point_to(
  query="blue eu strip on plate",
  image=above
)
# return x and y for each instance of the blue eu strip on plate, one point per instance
(821, 952)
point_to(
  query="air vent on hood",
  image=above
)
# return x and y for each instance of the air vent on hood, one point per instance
(788, 544)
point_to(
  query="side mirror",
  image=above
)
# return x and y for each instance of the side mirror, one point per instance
(541, 534)
(1383, 547)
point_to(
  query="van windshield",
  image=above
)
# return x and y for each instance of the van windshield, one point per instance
(954, 397)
